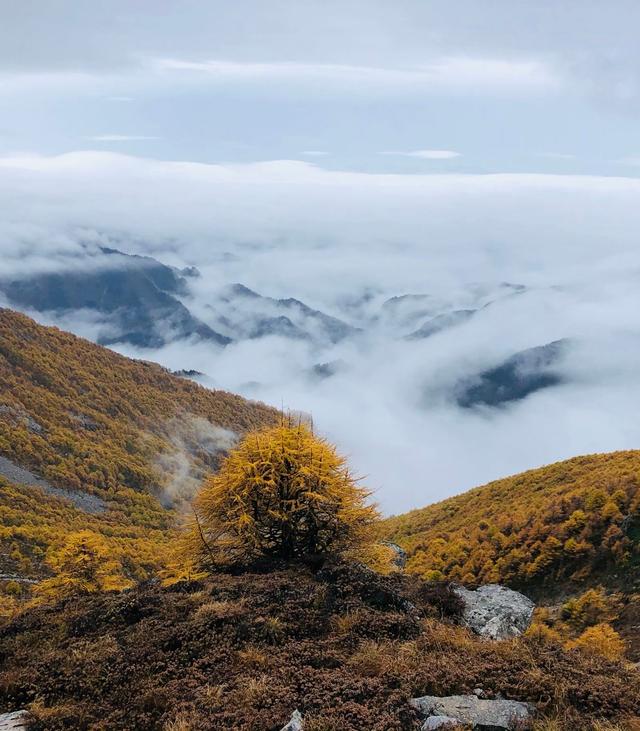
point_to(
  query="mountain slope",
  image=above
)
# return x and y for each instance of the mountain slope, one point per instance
(135, 298)
(244, 314)
(519, 376)
(87, 422)
(540, 530)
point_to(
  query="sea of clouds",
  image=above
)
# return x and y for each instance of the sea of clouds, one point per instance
(343, 243)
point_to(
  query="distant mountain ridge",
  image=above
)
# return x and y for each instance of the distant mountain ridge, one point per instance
(247, 314)
(137, 298)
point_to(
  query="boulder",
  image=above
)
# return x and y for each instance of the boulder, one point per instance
(480, 714)
(433, 723)
(496, 612)
(295, 724)
(400, 555)
(15, 721)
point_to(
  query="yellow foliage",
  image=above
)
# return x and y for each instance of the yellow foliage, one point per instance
(601, 639)
(91, 421)
(591, 608)
(84, 564)
(543, 634)
(565, 520)
(281, 493)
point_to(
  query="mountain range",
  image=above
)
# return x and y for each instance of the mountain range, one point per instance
(138, 301)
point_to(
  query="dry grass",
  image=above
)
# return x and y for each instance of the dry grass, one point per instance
(182, 722)
(220, 610)
(152, 657)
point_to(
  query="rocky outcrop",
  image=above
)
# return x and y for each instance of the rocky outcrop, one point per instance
(15, 721)
(496, 612)
(295, 724)
(82, 500)
(400, 556)
(484, 715)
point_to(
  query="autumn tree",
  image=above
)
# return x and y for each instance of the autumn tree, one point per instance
(601, 639)
(85, 564)
(282, 493)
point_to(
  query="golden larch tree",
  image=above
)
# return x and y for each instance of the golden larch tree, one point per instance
(84, 564)
(282, 493)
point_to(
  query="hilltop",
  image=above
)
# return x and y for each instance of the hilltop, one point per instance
(571, 521)
(98, 452)
(567, 534)
(91, 439)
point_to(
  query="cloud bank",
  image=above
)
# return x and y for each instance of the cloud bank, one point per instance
(345, 243)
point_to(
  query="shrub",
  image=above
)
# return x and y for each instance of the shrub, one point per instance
(282, 493)
(601, 639)
(591, 608)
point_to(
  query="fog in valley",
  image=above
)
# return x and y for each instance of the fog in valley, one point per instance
(414, 286)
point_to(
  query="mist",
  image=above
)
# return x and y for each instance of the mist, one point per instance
(538, 258)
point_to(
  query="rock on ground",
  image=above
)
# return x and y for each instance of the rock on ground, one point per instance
(15, 721)
(478, 713)
(496, 612)
(295, 724)
(439, 723)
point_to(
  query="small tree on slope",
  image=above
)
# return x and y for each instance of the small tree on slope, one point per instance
(282, 493)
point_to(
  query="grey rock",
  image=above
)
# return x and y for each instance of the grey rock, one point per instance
(439, 722)
(14, 721)
(20, 415)
(496, 612)
(400, 555)
(82, 500)
(84, 421)
(295, 724)
(488, 715)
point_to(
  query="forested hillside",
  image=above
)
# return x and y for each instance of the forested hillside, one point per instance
(85, 421)
(571, 521)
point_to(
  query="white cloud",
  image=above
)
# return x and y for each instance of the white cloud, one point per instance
(315, 153)
(571, 239)
(121, 138)
(447, 73)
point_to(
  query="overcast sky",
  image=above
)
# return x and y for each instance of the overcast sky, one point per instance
(408, 85)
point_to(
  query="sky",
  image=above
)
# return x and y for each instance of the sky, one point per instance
(410, 86)
(344, 153)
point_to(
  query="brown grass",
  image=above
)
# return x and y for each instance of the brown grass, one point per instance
(242, 652)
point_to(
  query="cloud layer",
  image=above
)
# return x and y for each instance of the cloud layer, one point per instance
(346, 242)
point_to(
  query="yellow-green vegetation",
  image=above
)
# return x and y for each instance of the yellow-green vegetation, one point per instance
(85, 563)
(584, 622)
(282, 493)
(34, 525)
(93, 422)
(573, 520)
